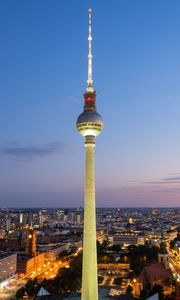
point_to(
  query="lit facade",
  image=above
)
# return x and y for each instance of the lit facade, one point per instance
(8, 265)
(28, 265)
(126, 239)
(31, 242)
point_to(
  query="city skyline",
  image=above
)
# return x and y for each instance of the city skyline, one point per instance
(136, 73)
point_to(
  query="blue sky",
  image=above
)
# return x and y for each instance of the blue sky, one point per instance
(43, 74)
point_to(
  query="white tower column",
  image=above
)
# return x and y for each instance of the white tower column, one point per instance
(89, 279)
(89, 124)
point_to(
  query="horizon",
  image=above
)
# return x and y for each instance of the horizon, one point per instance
(81, 207)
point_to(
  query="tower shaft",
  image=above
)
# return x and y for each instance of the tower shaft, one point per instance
(89, 276)
(89, 124)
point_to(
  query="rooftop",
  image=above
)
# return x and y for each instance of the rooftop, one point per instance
(4, 254)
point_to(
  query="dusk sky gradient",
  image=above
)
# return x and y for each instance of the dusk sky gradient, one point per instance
(43, 74)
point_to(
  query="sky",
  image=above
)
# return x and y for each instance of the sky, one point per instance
(43, 75)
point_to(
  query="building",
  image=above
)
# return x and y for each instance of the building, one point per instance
(30, 262)
(51, 252)
(89, 125)
(154, 274)
(21, 219)
(31, 242)
(163, 256)
(42, 219)
(154, 211)
(126, 239)
(118, 269)
(8, 224)
(2, 234)
(28, 265)
(10, 244)
(8, 264)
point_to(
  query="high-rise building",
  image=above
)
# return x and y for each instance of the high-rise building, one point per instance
(8, 224)
(21, 219)
(42, 219)
(89, 125)
(78, 219)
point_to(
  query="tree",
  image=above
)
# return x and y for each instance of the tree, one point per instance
(118, 281)
(143, 294)
(68, 279)
(129, 290)
(157, 289)
(102, 256)
(20, 293)
(100, 279)
(139, 256)
(115, 248)
(101, 248)
(31, 287)
(172, 243)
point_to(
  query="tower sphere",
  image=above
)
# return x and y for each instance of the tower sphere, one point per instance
(89, 123)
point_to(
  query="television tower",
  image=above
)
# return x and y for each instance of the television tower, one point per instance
(89, 124)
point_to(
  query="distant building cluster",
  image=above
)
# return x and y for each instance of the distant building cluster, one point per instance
(32, 238)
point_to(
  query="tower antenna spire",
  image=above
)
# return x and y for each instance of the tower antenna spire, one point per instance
(90, 81)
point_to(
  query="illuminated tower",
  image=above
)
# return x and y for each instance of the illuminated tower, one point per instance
(89, 124)
(31, 242)
(163, 256)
